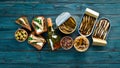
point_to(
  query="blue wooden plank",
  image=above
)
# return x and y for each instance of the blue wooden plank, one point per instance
(13, 57)
(80, 58)
(60, 1)
(53, 9)
(56, 57)
(37, 65)
(43, 6)
(58, 5)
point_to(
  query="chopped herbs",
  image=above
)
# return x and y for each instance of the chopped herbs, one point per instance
(38, 21)
(36, 27)
(34, 42)
(30, 38)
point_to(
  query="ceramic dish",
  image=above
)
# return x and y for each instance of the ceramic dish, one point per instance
(66, 42)
(81, 43)
(21, 35)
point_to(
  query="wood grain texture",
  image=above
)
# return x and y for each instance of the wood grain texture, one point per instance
(22, 55)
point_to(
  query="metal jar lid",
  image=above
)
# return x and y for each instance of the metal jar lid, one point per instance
(62, 18)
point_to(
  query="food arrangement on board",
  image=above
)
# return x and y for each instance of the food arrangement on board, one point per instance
(89, 26)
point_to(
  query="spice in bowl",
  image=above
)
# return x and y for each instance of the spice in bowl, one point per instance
(66, 42)
(81, 43)
(21, 35)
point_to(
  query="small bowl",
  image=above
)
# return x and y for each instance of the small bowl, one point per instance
(21, 35)
(66, 42)
(81, 43)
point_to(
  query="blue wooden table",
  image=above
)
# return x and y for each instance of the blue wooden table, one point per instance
(22, 55)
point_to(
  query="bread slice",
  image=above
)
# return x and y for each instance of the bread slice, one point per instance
(36, 41)
(39, 25)
(23, 21)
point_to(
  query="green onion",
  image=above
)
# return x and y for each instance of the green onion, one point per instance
(38, 21)
(30, 38)
(36, 27)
